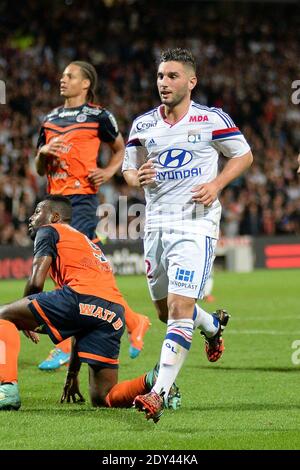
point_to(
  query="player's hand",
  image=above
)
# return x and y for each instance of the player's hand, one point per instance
(99, 176)
(71, 389)
(53, 149)
(205, 193)
(32, 335)
(146, 174)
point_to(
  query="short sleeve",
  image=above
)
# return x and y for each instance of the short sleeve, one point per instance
(41, 138)
(135, 152)
(226, 136)
(108, 129)
(45, 242)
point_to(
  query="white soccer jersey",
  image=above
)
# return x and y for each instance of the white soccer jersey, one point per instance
(185, 155)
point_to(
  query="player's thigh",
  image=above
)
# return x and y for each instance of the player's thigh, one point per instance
(19, 313)
(101, 381)
(155, 266)
(99, 346)
(57, 312)
(190, 259)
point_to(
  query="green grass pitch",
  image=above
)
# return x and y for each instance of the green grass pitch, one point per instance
(248, 400)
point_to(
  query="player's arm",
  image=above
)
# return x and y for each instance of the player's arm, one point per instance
(102, 175)
(44, 253)
(71, 386)
(136, 172)
(110, 135)
(131, 178)
(36, 281)
(43, 257)
(35, 284)
(207, 193)
(144, 176)
(44, 151)
(227, 139)
(232, 169)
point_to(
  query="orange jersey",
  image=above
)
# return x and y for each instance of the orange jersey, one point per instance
(82, 129)
(77, 262)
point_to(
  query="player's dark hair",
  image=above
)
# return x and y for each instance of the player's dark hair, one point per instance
(62, 205)
(178, 55)
(88, 71)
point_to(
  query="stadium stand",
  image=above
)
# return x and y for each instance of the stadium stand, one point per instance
(247, 63)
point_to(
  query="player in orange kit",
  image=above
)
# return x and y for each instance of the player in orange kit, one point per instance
(68, 146)
(87, 305)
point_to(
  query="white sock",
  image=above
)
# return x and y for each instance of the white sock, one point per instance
(174, 351)
(205, 321)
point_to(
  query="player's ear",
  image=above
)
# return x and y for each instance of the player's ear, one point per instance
(192, 83)
(55, 218)
(86, 83)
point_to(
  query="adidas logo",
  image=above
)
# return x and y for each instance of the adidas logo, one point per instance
(151, 143)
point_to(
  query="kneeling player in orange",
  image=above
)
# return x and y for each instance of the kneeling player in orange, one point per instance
(68, 149)
(87, 306)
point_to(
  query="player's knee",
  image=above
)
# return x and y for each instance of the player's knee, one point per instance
(180, 307)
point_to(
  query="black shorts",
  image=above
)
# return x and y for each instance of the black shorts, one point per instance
(84, 218)
(97, 324)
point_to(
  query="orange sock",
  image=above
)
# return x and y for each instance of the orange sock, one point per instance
(65, 345)
(131, 317)
(123, 393)
(9, 351)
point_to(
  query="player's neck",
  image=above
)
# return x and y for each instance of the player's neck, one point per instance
(74, 101)
(174, 114)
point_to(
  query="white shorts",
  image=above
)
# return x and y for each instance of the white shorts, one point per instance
(178, 263)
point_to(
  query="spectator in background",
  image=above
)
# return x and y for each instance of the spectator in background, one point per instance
(264, 40)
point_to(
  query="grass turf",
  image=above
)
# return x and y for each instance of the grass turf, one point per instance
(249, 399)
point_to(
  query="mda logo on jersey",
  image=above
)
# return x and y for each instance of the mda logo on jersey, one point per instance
(174, 158)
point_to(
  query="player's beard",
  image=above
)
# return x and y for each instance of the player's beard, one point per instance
(175, 100)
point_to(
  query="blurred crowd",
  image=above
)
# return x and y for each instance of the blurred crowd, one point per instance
(247, 62)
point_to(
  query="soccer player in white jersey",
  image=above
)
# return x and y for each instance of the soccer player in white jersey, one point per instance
(172, 152)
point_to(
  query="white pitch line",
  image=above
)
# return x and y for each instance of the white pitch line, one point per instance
(263, 332)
